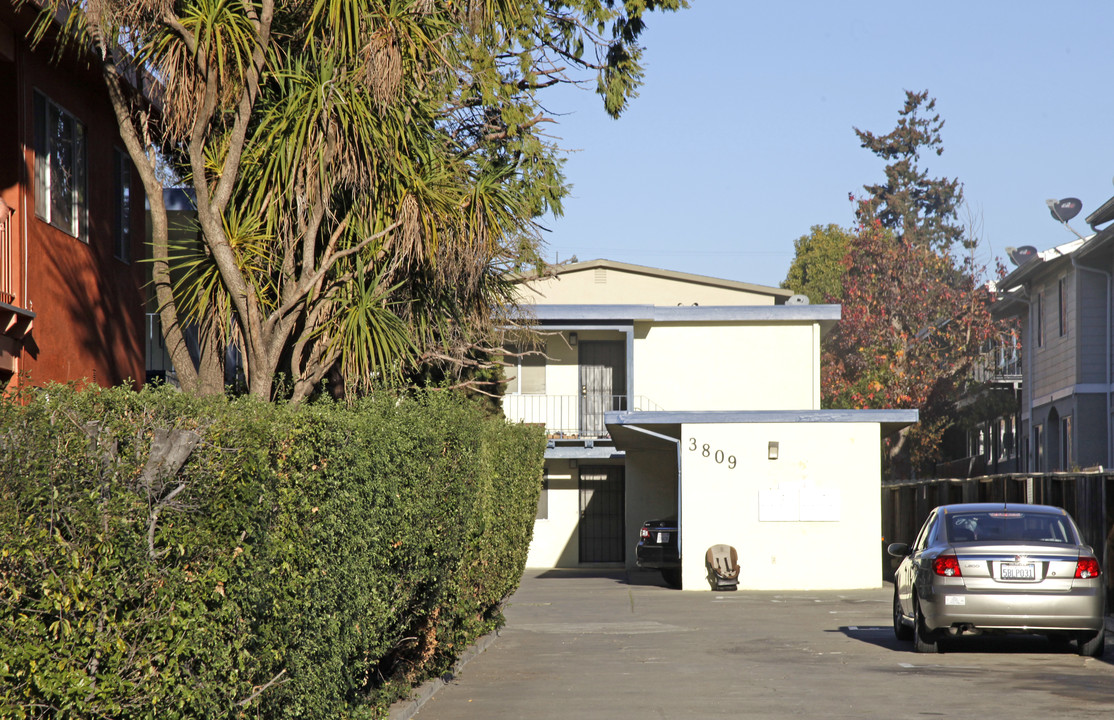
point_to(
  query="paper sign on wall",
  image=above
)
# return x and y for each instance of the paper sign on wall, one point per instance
(820, 505)
(778, 505)
(792, 504)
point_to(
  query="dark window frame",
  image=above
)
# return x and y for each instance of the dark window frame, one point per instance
(1061, 291)
(1040, 320)
(61, 168)
(122, 205)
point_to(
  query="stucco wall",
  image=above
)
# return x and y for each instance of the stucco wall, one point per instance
(809, 520)
(651, 492)
(555, 541)
(609, 286)
(728, 367)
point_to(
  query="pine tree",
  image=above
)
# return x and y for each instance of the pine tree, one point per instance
(916, 208)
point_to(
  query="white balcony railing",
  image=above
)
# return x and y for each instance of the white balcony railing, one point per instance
(1000, 361)
(571, 416)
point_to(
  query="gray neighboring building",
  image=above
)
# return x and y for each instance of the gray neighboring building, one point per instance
(1062, 298)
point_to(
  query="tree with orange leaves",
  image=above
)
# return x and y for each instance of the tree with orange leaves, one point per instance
(914, 322)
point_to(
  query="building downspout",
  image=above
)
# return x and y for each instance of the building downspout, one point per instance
(1027, 362)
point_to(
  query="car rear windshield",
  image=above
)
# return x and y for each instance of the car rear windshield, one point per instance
(1009, 525)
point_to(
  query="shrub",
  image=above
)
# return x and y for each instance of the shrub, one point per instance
(172, 556)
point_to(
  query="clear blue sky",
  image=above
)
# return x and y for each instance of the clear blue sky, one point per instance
(741, 138)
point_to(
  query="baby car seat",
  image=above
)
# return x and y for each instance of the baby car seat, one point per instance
(723, 567)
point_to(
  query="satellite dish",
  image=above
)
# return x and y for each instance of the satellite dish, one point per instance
(797, 300)
(1066, 209)
(1020, 256)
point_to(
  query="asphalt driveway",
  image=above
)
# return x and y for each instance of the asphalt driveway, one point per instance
(595, 645)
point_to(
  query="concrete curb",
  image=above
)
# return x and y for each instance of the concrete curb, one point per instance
(406, 709)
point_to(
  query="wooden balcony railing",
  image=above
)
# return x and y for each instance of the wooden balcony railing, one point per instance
(7, 258)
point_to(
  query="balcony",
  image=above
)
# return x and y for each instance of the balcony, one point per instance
(571, 416)
(999, 363)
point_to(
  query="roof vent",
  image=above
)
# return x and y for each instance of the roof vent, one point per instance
(601, 276)
(797, 300)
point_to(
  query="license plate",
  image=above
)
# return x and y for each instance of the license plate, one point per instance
(1018, 571)
(663, 538)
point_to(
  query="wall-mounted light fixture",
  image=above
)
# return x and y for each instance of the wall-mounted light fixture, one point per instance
(572, 339)
(772, 450)
(572, 463)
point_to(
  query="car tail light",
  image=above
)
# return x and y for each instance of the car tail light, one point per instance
(946, 565)
(644, 533)
(1087, 567)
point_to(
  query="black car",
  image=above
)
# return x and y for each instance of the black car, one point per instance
(657, 549)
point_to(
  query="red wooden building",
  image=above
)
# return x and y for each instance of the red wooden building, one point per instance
(71, 221)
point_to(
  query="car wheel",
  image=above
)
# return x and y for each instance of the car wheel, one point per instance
(924, 640)
(672, 577)
(1093, 646)
(903, 632)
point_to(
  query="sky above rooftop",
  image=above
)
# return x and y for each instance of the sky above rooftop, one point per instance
(741, 139)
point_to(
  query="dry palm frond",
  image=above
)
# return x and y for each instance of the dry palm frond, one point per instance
(410, 245)
(383, 66)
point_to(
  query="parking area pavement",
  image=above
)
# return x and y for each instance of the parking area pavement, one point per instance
(581, 644)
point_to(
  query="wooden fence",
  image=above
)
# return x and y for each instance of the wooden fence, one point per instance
(1087, 495)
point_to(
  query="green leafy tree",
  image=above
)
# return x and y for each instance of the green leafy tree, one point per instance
(817, 269)
(911, 331)
(918, 209)
(365, 171)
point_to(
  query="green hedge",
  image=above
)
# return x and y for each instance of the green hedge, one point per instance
(302, 562)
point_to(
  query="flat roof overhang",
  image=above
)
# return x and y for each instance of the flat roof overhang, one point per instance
(577, 316)
(584, 452)
(646, 430)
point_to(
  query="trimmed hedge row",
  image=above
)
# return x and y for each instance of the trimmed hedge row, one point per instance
(164, 555)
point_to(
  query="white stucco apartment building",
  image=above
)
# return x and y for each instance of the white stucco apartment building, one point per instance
(666, 393)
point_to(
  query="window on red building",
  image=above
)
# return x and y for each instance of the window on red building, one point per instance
(60, 174)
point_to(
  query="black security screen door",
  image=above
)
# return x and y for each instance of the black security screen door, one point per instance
(603, 383)
(601, 514)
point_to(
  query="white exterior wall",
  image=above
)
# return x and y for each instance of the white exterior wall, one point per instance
(618, 286)
(558, 407)
(651, 492)
(704, 365)
(555, 542)
(809, 520)
(728, 366)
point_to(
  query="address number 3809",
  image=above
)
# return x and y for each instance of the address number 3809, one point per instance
(706, 450)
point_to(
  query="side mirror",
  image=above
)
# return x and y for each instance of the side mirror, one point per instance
(898, 549)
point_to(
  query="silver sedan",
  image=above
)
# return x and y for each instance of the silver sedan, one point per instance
(996, 567)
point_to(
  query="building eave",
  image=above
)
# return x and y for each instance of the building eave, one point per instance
(568, 315)
(1105, 213)
(1040, 262)
(622, 425)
